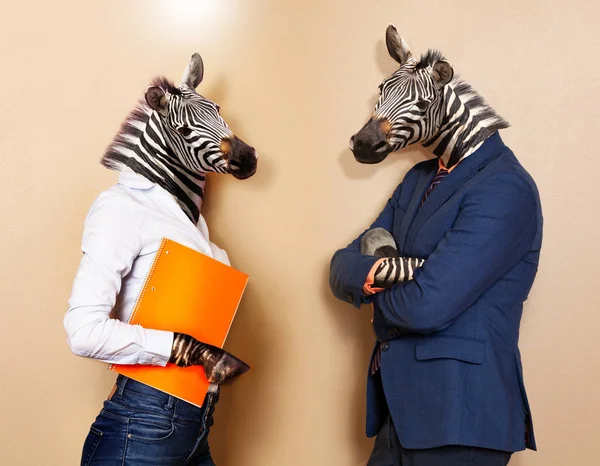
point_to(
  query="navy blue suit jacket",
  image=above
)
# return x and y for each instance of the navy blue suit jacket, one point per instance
(450, 367)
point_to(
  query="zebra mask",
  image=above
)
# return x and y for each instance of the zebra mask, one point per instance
(175, 136)
(424, 102)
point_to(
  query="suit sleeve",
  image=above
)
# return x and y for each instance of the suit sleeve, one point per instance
(349, 268)
(492, 233)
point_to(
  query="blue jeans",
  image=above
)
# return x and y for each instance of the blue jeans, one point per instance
(140, 425)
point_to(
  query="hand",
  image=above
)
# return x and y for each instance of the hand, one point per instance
(219, 366)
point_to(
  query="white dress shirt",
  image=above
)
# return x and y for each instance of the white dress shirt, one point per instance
(122, 233)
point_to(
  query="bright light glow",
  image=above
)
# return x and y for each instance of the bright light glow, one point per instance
(187, 11)
(177, 22)
(190, 20)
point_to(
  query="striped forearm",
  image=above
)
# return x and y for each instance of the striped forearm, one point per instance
(219, 365)
(186, 350)
(393, 270)
(390, 270)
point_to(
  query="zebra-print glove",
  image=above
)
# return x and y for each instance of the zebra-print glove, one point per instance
(394, 269)
(219, 366)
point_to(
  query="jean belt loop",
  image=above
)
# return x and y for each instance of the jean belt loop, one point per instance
(170, 403)
(121, 382)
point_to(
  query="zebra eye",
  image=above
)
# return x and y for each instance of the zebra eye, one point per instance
(184, 131)
(422, 105)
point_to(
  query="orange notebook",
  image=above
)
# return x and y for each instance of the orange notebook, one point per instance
(187, 292)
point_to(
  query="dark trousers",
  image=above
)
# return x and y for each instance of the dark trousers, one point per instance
(389, 452)
(140, 425)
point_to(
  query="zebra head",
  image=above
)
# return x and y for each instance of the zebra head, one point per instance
(408, 109)
(195, 131)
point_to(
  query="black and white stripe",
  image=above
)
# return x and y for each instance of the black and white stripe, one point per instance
(175, 136)
(463, 122)
(219, 365)
(174, 152)
(394, 270)
(423, 102)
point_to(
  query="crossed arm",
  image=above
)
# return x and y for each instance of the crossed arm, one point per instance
(391, 269)
(371, 264)
(493, 231)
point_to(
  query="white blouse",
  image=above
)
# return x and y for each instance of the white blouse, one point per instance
(122, 233)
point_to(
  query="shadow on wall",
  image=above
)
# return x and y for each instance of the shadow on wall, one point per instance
(251, 335)
(235, 416)
(385, 63)
(518, 459)
(265, 172)
(353, 325)
(351, 168)
(359, 171)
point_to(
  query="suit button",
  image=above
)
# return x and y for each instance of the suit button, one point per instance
(349, 298)
(385, 346)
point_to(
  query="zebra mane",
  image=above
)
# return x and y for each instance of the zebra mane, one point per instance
(470, 124)
(429, 58)
(132, 127)
(165, 84)
(474, 101)
(466, 92)
(156, 162)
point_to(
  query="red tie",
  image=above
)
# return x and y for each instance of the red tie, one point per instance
(441, 174)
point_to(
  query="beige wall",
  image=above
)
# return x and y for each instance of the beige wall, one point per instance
(295, 79)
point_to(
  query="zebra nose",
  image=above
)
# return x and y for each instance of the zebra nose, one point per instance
(242, 159)
(362, 143)
(370, 144)
(358, 143)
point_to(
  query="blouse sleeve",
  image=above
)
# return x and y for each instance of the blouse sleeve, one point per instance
(111, 242)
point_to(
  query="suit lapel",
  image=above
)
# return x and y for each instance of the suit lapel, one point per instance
(412, 209)
(490, 149)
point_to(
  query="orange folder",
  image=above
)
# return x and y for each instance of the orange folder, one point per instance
(187, 292)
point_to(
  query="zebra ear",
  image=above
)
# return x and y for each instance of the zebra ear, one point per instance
(193, 74)
(442, 73)
(157, 99)
(396, 45)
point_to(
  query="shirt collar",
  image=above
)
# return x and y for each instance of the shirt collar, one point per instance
(442, 165)
(134, 181)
